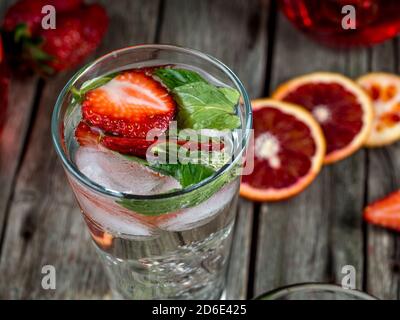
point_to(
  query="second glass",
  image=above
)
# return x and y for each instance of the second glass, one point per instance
(315, 291)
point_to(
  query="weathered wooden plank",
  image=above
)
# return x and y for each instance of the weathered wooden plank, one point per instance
(235, 34)
(310, 237)
(346, 182)
(383, 273)
(45, 226)
(12, 139)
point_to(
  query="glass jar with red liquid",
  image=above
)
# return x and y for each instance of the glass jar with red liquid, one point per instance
(375, 20)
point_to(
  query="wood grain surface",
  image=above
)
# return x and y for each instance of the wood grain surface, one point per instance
(308, 238)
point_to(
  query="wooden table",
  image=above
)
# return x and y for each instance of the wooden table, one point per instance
(309, 238)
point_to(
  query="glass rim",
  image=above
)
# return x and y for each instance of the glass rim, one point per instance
(313, 286)
(71, 167)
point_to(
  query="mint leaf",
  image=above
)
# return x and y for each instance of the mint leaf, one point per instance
(91, 85)
(201, 104)
(173, 78)
(97, 82)
(171, 204)
(186, 174)
(211, 159)
(134, 159)
(231, 94)
(204, 106)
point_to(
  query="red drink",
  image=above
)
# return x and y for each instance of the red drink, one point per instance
(375, 20)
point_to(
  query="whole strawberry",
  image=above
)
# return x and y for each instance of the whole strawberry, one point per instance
(79, 30)
(77, 35)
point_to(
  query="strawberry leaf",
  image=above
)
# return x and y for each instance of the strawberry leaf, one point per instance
(21, 31)
(36, 53)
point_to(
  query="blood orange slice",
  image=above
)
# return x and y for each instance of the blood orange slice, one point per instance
(341, 107)
(384, 90)
(289, 149)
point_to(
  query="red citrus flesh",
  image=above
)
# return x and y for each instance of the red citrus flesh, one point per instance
(340, 106)
(295, 159)
(384, 90)
(345, 119)
(288, 151)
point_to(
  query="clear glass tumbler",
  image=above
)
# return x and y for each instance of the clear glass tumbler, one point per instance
(181, 254)
(315, 291)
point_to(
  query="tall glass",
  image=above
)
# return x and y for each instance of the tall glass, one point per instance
(181, 254)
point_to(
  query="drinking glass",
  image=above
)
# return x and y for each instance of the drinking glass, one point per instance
(181, 254)
(315, 291)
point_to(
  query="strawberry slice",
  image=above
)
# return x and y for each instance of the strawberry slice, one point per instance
(134, 146)
(129, 106)
(85, 136)
(89, 137)
(385, 212)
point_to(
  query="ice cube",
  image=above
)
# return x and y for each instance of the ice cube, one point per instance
(117, 173)
(111, 216)
(199, 215)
